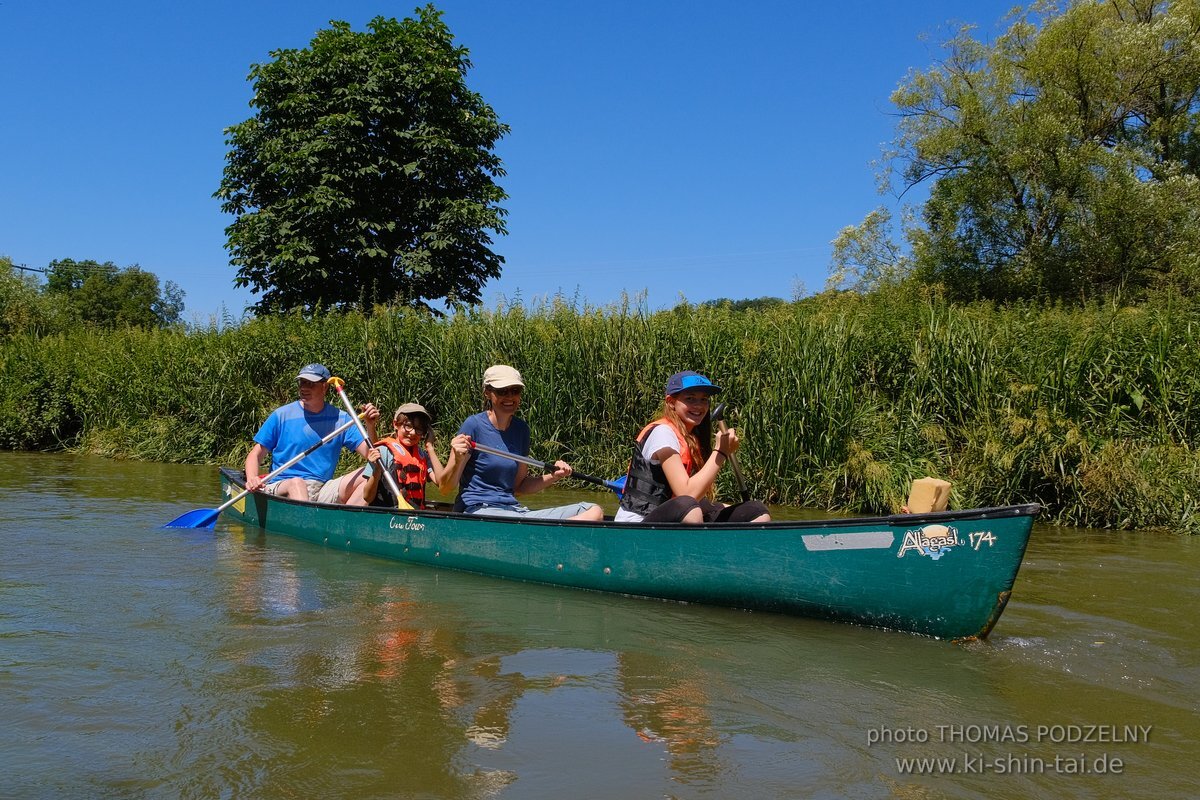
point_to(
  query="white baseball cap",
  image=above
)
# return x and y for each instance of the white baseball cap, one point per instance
(502, 375)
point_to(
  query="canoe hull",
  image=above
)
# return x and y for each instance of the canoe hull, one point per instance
(947, 574)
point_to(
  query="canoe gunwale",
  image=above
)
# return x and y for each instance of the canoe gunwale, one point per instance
(236, 478)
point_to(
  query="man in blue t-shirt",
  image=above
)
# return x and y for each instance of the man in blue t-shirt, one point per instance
(292, 429)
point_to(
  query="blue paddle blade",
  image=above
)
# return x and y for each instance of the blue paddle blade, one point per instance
(198, 518)
(618, 485)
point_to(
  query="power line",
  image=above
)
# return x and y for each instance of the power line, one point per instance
(77, 267)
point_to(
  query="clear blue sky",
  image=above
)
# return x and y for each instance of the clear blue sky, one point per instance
(700, 149)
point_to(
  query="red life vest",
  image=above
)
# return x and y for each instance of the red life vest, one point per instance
(411, 470)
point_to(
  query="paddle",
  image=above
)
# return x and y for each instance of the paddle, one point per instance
(401, 503)
(718, 416)
(617, 486)
(207, 517)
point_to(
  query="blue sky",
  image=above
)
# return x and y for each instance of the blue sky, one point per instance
(680, 149)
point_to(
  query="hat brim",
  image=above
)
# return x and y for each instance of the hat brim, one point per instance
(709, 389)
(311, 376)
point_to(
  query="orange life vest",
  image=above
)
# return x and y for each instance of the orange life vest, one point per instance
(685, 452)
(411, 470)
(646, 486)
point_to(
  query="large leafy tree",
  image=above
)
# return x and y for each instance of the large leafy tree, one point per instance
(106, 296)
(1062, 159)
(367, 173)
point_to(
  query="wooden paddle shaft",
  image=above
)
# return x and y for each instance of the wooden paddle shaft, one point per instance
(737, 471)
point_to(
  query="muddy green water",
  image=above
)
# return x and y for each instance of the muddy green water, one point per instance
(137, 662)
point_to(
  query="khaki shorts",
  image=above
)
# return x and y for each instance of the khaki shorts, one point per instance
(314, 487)
(331, 492)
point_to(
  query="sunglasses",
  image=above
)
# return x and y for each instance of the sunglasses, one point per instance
(507, 391)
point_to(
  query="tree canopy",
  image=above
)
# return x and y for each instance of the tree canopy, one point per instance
(745, 304)
(1062, 159)
(84, 293)
(23, 308)
(367, 173)
(109, 297)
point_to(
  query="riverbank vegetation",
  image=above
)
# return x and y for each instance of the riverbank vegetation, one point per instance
(842, 398)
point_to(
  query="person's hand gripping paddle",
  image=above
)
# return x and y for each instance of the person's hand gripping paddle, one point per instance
(718, 416)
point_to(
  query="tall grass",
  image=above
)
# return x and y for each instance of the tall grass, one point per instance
(842, 400)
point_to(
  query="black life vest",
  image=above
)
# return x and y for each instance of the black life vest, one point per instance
(646, 486)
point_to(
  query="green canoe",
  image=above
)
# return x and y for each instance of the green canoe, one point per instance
(947, 574)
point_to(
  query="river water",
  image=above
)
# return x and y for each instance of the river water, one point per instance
(137, 662)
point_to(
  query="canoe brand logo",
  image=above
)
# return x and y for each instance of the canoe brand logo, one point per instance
(240, 505)
(930, 540)
(410, 524)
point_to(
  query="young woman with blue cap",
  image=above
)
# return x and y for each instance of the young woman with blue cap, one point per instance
(674, 468)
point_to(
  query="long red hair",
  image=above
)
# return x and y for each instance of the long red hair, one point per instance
(699, 441)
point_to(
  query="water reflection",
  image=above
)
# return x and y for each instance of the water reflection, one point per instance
(476, 681)
(474, 677)
(141, 663)
(430, 680)
(664, 702)
(339, 682)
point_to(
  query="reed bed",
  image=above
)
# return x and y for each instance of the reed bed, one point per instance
(841, 399)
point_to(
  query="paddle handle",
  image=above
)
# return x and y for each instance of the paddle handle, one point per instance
(737, 471)
(329, 437)
(337, 384)
(542, 465)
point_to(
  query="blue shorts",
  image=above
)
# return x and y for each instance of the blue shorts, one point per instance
(555, 512)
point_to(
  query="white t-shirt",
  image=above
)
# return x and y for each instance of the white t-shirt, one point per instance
(661, 436)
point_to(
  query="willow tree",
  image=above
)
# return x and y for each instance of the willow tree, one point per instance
(1061, 160)
(367, 173)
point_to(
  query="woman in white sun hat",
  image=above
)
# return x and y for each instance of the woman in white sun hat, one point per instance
(489, 484)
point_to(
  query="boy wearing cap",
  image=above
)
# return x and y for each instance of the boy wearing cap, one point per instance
(674, 468)
(413, 464)
(293, 428)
